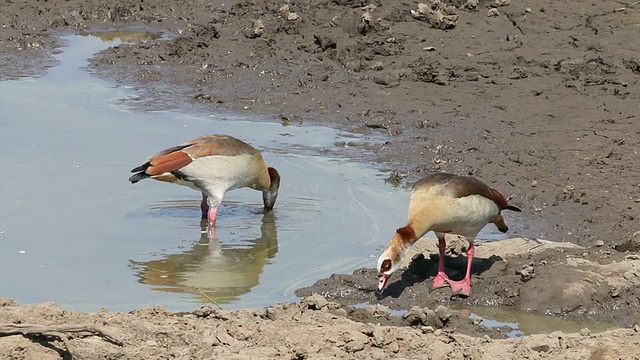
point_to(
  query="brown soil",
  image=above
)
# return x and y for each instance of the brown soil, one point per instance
(540, 100)
(313, 329)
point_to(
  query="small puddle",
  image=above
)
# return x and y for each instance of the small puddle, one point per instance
(524, 323)
(515, 323)
(79, 234)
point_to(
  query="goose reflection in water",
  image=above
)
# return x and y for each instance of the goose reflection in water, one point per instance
(212, 271)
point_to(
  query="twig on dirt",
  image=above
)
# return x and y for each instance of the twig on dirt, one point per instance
(633, 4)
(208, 298)
(456, 340)
(60, 332)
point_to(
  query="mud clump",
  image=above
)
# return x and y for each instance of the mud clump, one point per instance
(520, 274)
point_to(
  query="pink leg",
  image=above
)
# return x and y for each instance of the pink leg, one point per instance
(441, 279)
(463, 287)
(213, 212)
(211, 230)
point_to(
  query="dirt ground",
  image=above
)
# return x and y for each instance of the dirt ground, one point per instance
(540, 99)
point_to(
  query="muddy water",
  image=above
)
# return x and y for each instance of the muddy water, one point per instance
(525, 323)
(74, 231)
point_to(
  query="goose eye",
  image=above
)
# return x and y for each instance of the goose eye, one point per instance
(386, 265)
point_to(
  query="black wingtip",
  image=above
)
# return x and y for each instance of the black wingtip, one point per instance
(142, 167)
(513, 208)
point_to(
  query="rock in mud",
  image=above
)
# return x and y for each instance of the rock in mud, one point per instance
(437, 14)
(278, 311)
(324, 42)
(355, 341)
(378, 310)
(540, 345)
(443, 312)
(315, 302)
(424, 316)
(222, 314)
(366, 24)
(526, 273)
(204, 311)
(630, 245)
(256, 30)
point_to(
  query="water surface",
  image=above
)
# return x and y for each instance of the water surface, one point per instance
(74, 231)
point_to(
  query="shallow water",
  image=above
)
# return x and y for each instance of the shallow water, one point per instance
(523, 323)
(74, 231)
(519, 323)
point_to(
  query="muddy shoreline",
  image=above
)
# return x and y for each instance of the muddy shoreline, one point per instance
(539, 100)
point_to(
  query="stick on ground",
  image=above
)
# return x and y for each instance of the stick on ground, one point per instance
(59, 332)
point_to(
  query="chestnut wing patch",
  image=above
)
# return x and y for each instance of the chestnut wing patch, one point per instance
(498, 199)
(168, 163)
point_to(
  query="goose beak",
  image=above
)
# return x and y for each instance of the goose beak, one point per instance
(382, 281)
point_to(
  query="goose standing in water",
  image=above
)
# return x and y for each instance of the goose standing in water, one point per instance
(213, 165)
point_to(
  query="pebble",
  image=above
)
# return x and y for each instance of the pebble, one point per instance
(357, 342)
(443, 312)
(377, 66)
(393, 347)
(203, 311)
(473, 76)
(151, 343)
(429, 329)
(636, 328)
(315, 302)
(526, 273)
(614, 292)
(599, 243)
(341, 312)
(585, 332)
(378, 337)
(541, 348)
(414, 315)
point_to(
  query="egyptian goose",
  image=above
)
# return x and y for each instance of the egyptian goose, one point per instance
(213, 165)
(445, 204)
